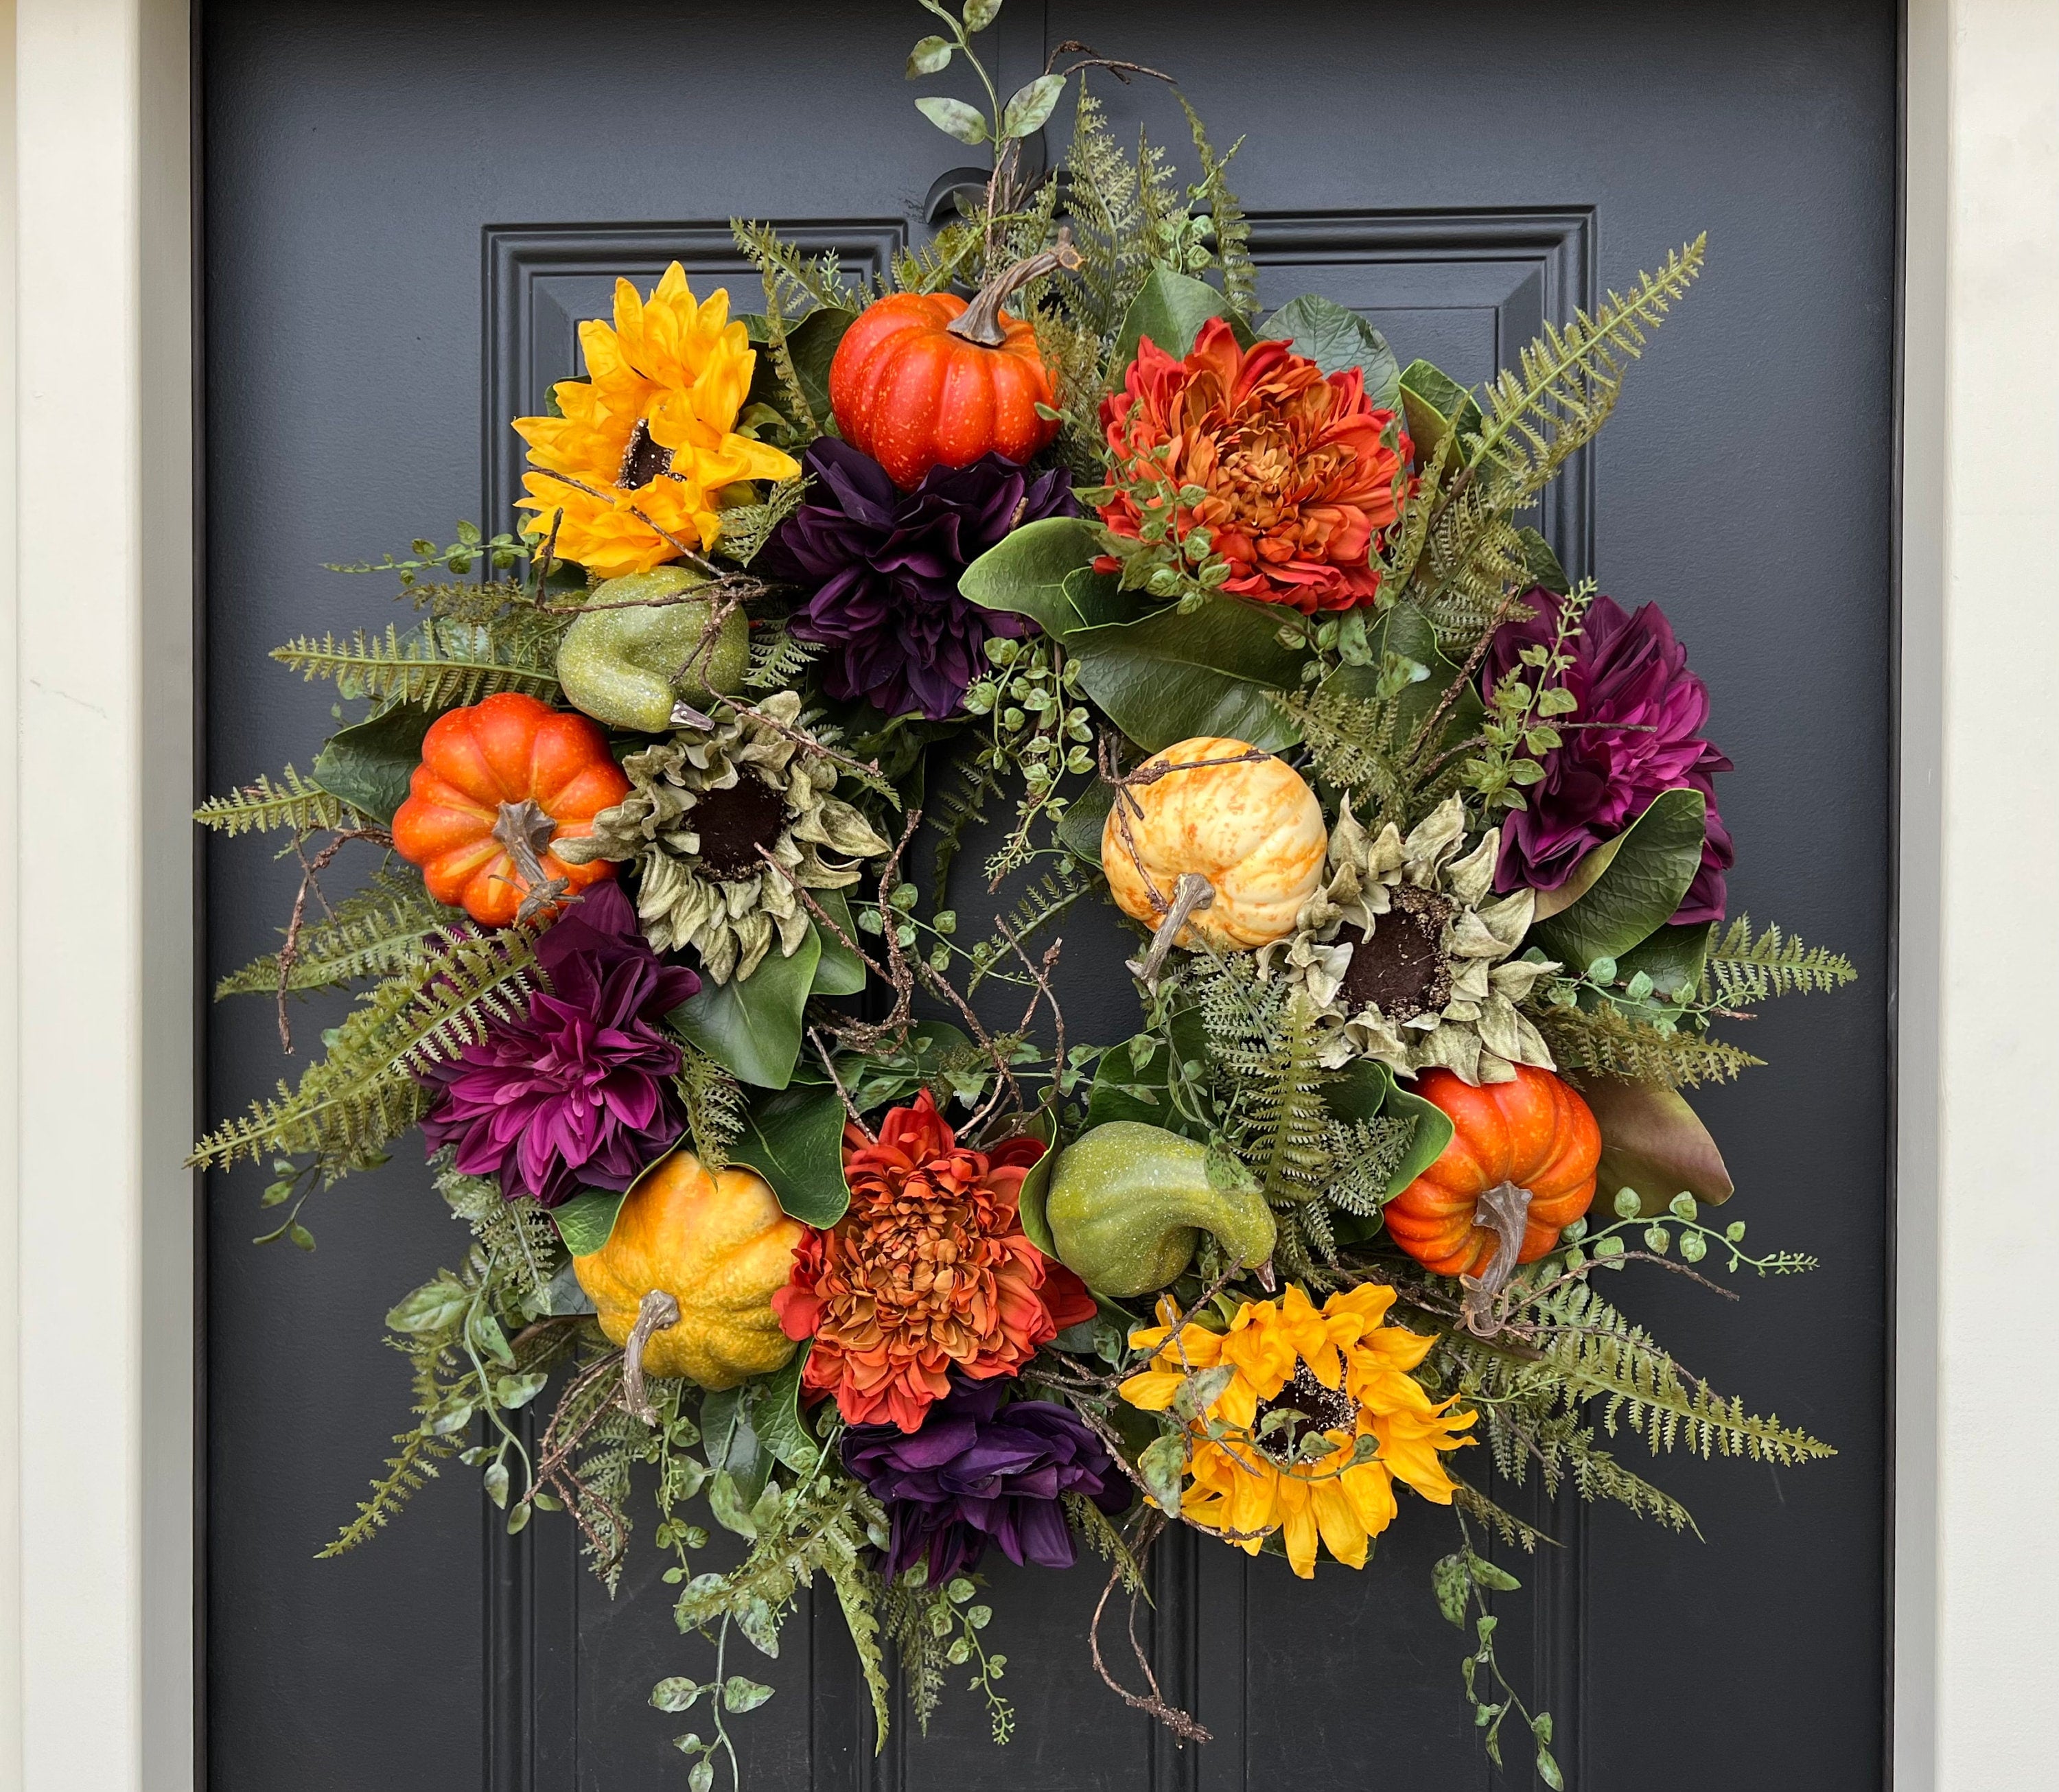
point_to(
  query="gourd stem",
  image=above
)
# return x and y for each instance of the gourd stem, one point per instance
(656, 1311)
(1192, 892)
(980, 321)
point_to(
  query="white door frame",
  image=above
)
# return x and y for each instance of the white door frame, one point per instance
(97, 1074)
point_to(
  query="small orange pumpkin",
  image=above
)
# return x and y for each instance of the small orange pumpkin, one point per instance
(1534, 1132)
(716, 1241)
(1251, 827)
(924, 380)
(499, 783)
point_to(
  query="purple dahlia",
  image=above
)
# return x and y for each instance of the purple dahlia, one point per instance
(577, 1093)
(882, 565)
(1638, 732)
(979, 1473)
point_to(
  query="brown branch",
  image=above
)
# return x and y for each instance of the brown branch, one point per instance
(311, 870)
(1154, 1702)
(843, 1094)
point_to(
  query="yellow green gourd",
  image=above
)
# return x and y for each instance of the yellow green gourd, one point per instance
(631, 655)
(1128, 1204)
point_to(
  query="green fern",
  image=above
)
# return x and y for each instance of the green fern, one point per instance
(440, 665)
(1741, 970)
(353, 1102)
(794, 281)
(1605, 1040)
(376, 932)
(1043, 902)
(1363, 1155)
(1262, 1048)
(916, 1619)
(293, 803)
(713, 1102)
(779, 661)
(953, 256)
(747, 527)
(1232, 229)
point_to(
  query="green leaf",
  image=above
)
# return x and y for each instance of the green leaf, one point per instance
(1547, 1770)
(778, 1418)
(730, 1442)
(1118, 1076)
(1029, 1204)
(1169, 677)
(435, 1307)
(813, 345)
(1079, 828)
(1170, 309)
(1544, 567)
(1361, 1092)
(1643, 885)
(1161, 1464)
(586, 1221)
(794, 1139)
(1096, 597)
(953, 118)
(1672, 957)
(1499, 1579)
(839, 971)
(1025, 571)
(1653, 1143)
(1584, 877)
(930, 56)
(1431, 400)
(1334, 339)
(1025, 113)
(1404, 630)
(1433, 1133)
(369, 766)
(740, 1694)
(980, 13)
(751, 1026)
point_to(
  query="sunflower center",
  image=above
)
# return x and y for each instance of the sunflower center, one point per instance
(1309, 1409)
(734, 823)
(1400, 967)
(643, 460)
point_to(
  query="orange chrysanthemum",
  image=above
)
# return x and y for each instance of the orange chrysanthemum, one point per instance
(632, 471)
(1300, 472)
(1301, 1379)
(928, 1271)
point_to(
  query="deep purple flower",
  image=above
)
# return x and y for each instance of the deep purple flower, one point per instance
(1640, 717)
(883, 567)
(577, 1094)
(980, 1473)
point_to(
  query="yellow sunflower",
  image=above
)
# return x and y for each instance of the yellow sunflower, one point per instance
(1341, 1373)
(637, 462)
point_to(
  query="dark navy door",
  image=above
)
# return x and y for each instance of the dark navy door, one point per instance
(409, 207)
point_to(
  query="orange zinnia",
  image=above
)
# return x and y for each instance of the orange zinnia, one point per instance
(1300, 472)
(928, 1271)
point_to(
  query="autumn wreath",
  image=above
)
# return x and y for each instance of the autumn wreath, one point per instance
(788, 1188)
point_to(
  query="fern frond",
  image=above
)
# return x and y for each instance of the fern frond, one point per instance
(1363, 1155)
(1511, 1529)
(713, 1102)
(440, 665)
(794, 281)
(1741, 970)
(779, 661)
(377, 932)
(1263, 1047)
(1606, 1041)
(361, 1095)
(261, 808)
(1231, 228)
(747, 527)
(856, 1591)
(1043, 903)
(960, 805)
(951, 257)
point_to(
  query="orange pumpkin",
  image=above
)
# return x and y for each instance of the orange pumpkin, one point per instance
(924, 379)
(1534, 1132)
(499, 783)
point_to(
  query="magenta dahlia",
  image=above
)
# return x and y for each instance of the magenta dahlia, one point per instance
(1637, 731)
(577, 1094)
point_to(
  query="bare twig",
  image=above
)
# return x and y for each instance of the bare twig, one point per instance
(843, 1094)
(311, 868)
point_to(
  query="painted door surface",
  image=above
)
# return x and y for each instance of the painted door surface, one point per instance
(407, 210)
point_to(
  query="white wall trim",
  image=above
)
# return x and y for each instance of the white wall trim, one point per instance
(98, 1098)
(96, 966)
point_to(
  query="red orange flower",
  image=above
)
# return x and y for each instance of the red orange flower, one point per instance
(929, 1269)
(1301, 472)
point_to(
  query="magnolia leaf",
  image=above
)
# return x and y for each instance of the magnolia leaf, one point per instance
(1433, 1133)
(1335, 339)
(1360, 1091)
(1025, 572)
(751, 1026)
(369, 766)
(874, 1084)
(794, 1138)
(729, 1443)
(1036, 1184)
(1431, 399)
(1169, 677)
(840, 971)
(953, 118)
(1653, 1143)
(1544, 567)
(1638, 890)
(1080, 827)
(1404, 630)
(586, 1221)
(813, 345)
(1170, 309)
(929, 56)
(780, 1425)
(1032, 105)
(1584, 877)
(1096, 597)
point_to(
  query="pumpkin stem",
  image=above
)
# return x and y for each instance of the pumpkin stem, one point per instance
(1504, 1210)
(525, 830)
(980, 321)
(656, 1311)
(1192, 891)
